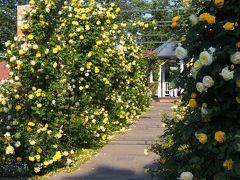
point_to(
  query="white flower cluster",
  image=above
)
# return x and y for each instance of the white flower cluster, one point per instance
(205, 59)
(206, 83)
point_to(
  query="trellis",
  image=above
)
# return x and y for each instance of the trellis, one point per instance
(161, 38)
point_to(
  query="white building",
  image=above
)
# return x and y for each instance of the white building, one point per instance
(166, 53)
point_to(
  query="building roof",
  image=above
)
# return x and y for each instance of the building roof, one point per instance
(167, 50)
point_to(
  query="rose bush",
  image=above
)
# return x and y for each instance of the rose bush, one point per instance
(76, 76)
(202, 137)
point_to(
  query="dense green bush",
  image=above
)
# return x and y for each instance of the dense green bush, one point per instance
(202, 139)
(75, 77)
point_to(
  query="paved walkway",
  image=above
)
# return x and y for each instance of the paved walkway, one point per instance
(123, 158)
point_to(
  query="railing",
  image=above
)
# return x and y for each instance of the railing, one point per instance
(168, 90)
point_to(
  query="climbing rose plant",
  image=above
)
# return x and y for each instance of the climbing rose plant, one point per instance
(75, 77)
(202, 139)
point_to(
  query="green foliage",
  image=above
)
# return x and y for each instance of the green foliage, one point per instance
(76, 76)
(204, 131)
(8, 20)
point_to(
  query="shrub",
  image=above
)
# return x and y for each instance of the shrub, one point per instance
(203, 137)
(76, 76)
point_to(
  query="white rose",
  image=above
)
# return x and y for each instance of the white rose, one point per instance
(53, 102)
(194, 72)
(235, 58)
(186, 176)
(12, 59)
(208, 81)
(17, 144)
(212, 50)
(181, 53)
(227, 74)
(194, 19)
(32, 142)
(33, 63)
(35, 46)
(204, 111)
(9, 150)
(200, 87)
(205, 58)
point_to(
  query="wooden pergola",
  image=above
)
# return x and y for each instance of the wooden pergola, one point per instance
(166, 52)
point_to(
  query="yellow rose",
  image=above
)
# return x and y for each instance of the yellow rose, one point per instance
(38, 157)
(38, 55)
(219, 136)
(55, 50)
(174, 24)
(26, 26)
(32, 2)
(183, 38)
(96, 70)
(19, 159)
(123, 25)
(211, 19)
(81, 37)
(238, 44)
(117, 10)
(39, 150)
(197, 65)
(37, 169)
(30, 96)
(31, 124)
(219, 3)
(21, 52)
(88, 65)
(238, 83)
(176, 18)
(228, 164)
(202, 138)
(31, 158)
(193, 103)
(18, 107)
(207, 17)
(87, 27)
(57, 156)
(194, 95)
(229, 26)
(58, 47)
(30, 36)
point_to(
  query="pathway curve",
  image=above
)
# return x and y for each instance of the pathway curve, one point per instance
(123, 158)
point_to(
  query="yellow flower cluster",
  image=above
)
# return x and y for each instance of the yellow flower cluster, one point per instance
(58, 82)
(207, 17)
(175, 21)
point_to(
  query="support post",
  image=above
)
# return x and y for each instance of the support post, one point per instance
(151, 76)
(159, 89)
(163, 83)
(181, 65)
